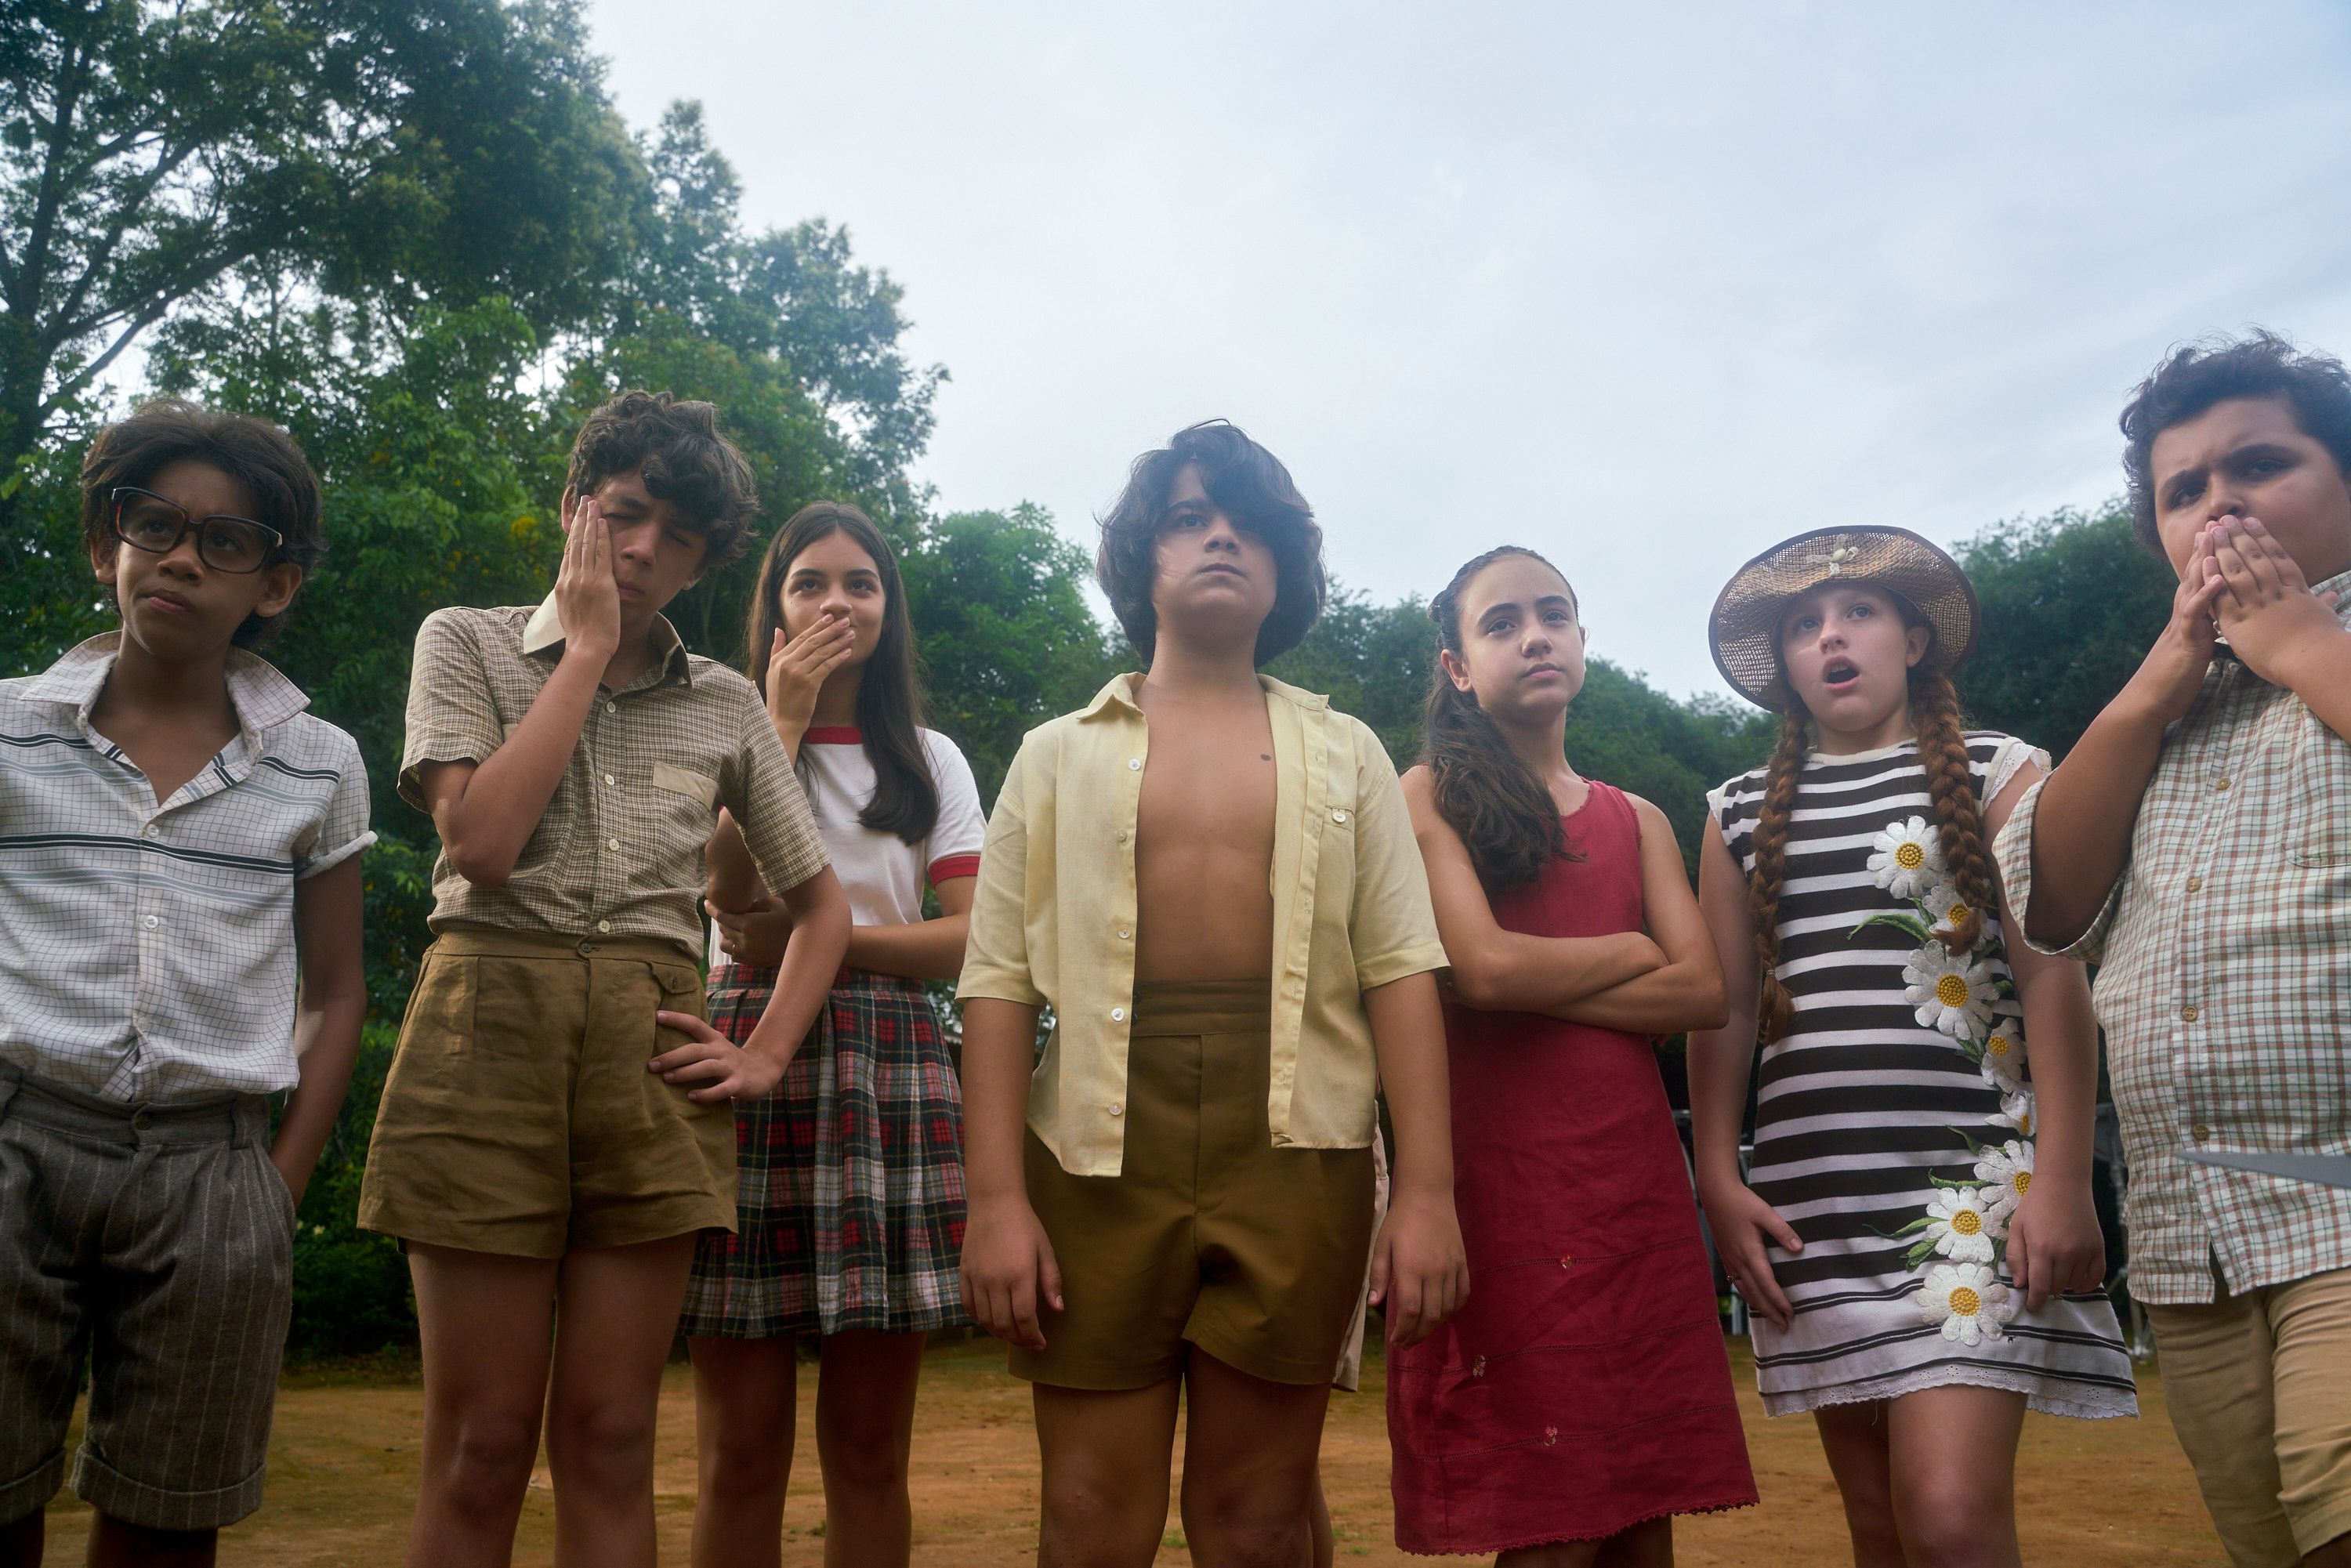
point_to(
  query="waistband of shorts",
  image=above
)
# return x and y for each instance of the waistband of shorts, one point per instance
(492, 942)
(237, 1118)
(1202, 1007)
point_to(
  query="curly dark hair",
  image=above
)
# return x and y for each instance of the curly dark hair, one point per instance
(1250, 486)
(1505, 815)
(674, 444)
(263, 459)
(2195, 376)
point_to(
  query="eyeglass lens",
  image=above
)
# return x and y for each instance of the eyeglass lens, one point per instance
(226, 544)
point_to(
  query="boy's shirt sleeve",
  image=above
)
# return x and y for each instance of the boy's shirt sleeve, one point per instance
(996, 954)
(2012, 853)
(452, 716)
(770, 809)
(342, 830)
(1393, 925)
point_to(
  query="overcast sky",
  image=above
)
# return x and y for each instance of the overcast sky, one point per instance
(1645, 295)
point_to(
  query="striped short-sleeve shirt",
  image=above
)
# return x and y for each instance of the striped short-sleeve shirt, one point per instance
(147, 949)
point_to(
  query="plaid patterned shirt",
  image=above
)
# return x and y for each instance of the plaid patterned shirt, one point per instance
(2225, 985)
(618, 852)
(146, 950)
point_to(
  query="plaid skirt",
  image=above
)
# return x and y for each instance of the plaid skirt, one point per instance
(849, 1213)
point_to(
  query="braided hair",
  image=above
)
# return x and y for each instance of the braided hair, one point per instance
(1505, 815)
(1950, 785)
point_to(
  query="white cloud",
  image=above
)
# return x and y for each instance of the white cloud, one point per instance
(1647, 296)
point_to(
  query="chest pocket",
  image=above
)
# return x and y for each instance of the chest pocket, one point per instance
(2318, 806)
(683, 808)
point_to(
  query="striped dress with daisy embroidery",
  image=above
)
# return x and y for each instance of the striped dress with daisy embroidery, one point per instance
(1894, 1123)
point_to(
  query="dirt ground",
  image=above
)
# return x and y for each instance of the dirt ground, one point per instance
(342, 1476)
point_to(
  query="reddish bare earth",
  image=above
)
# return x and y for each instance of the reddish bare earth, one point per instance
(342, 1476)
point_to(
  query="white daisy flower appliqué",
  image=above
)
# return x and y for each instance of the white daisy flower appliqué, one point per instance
(2004, 1056)
(1943, 905)
(2008, 1170)
(2016, 1113)
(1963, 1225)
(1907, 858)
(1968, 1301)
(1951, 994)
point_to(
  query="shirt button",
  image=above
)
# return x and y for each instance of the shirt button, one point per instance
(604, 926)
(612, 707)
(152, 922)
(1118, 1015)
(1124, 936)
(2201, 1132)
(1338, 816)
(2195, 884)
(2219, 784)
(607, 781)
(1122, 835)
(1116, 1109)
(611, 844)
(153, 830)
(1134, 765)
(2188, 1012)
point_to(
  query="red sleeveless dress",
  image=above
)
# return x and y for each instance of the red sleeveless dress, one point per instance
(1584, 1388)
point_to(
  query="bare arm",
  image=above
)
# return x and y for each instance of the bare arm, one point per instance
(2054, 1243)
(328, 910)
(722, 1070)
(1687, 992)
(1010, 1276)
(484, 828)
(2081, 826)
(1496, 970)
(1420, 1275)
(734, 878)
(931, 949)
(1720, 1061)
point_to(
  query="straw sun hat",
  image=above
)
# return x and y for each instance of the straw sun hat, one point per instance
(1745, 625)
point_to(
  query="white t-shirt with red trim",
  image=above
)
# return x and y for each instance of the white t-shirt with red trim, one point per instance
(884, 874)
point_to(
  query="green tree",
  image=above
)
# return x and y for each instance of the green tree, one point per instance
(2071, 604)
(159, 156)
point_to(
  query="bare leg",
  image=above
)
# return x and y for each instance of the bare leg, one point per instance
(1322, 1545)
(1105, 1458)
(482, 1320)
(1855, 1437)
(864, 1433)
(1250, 1457)
(1956, 1515)
(2335, 1554)
(114, 1544)
(1648, 1544)
(1551, 1554)
(616, 1315)
(745, 1394)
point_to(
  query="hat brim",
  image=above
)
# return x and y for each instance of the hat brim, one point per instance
(1744, 626)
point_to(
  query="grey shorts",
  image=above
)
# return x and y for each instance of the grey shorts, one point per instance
(156, 1245)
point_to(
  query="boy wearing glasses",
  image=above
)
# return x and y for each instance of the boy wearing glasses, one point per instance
(179, 845)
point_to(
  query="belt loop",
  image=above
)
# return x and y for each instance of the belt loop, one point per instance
(240, 1124)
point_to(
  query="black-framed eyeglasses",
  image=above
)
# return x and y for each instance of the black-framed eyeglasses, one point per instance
(146, 521)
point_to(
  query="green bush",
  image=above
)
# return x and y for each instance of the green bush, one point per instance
(351, 1286)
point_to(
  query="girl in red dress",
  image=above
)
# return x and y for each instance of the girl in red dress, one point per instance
(1581, 1397)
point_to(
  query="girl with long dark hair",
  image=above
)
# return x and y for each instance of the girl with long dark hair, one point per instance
(1915, 1234)
(851, 1206)
(1581, 1397)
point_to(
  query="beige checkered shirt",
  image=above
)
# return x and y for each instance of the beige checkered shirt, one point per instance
(2225, 986)
(619, 849)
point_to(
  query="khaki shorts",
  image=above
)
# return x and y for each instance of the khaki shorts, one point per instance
(2260, 1390)
(519, 1117)
(1209, 1236)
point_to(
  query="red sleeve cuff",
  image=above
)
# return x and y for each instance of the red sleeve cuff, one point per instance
(948, 867)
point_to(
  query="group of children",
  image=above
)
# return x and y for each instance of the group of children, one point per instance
(1206, 931)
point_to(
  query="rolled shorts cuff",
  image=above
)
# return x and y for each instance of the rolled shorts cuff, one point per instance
(118, 1496)
(2314, 1527)
(31, 1491)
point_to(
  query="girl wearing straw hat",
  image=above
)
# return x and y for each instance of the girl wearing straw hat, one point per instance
(1913, 1287)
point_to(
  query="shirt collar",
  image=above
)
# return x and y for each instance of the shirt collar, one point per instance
(263, 697)
(544, 631)
(1120, 693)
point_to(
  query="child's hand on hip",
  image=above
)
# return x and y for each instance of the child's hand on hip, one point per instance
(717, 1068)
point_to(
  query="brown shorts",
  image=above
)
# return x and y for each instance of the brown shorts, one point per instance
(519, 1118)
(1209, 1236)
